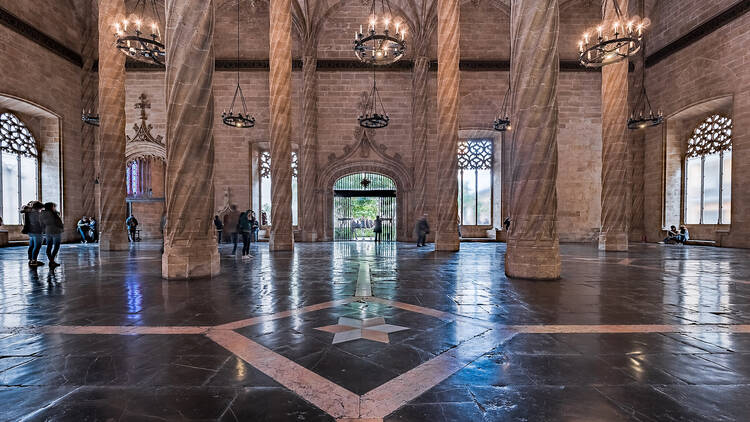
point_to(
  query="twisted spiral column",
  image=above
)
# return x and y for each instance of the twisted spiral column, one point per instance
(308, 163)
(446, 238)
(280, 102)
(533, 244)
(189, 241)
(419, 132)
(89, 102)
(112, 208)
(615, 187)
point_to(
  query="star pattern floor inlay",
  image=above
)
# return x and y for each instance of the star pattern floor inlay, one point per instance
(349, 329)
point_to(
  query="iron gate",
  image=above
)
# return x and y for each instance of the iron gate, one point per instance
(357, 200)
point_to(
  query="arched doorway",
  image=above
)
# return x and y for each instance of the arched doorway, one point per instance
(357, 200)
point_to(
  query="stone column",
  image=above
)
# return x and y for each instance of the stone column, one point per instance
(189, 240)
(280, 102)
(308, 163)
(89, 103)
(112, 208)
(446, 238)
(615, 205)
(419, 132)
(533, 245)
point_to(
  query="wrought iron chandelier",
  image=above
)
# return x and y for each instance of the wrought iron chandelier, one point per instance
(380, 48)
(615, 39)
(90, 118)
(502, 123)
(373, 114)
(241, 119)
(132, 34)
(643, 115)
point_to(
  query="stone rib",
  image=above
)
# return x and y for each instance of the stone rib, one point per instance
(280, 105)
(190, 244)
(308, 157)
(615, 188)
(448, 103)
(112, 210)
(533, 246)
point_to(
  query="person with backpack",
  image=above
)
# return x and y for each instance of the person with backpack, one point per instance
(243, 228)
(53, 228)
(32, 226)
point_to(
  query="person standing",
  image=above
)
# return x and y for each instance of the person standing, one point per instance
(132, 225)
(377, 228)
(53, 228)
(32, 226)
(422, 229)
(254, 227)
(219, 228)
(93, 230)
(231, 219)
(83, 228)
(243, 227)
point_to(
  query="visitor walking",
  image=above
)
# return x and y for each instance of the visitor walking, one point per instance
(93, 230)
(32, 226)
(219, 228)
(162, 228)
(231, 219)
(254, 227)
(377, 228)
(243, 227)
(132, 224)
(53, 228)
(83, 228)
(422, 229)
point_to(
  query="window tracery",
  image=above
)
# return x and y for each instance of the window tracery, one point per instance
(15, 136)
(711, 136)
(475, 154)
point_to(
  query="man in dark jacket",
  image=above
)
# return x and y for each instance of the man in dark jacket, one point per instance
(53, 228)
(132, 225)
(422, 229)
(230, 225)
(32, 226)
(377, 228)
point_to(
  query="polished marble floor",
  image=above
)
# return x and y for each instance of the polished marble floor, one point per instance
(354, 331)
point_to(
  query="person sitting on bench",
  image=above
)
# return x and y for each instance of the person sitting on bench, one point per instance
(683, 236)
(671, 235)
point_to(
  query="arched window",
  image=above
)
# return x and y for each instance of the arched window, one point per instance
(475, 160)
(18, 159)
(265, 185)
(708, 172)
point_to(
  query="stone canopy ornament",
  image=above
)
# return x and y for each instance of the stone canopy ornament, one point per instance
(144, 143)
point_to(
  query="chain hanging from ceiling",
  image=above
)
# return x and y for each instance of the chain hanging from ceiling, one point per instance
(240, 119)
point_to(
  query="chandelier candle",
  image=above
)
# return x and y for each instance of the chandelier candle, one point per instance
(133, 42)
(623, 40)
(380, 48)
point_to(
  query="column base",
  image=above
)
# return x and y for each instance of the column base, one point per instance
(281, 241)
(188, 262)
(613, 241)
(308, 236)
(447, 241)
(114, 241)
(532, 261)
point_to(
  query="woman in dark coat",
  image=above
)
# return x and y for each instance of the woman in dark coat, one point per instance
(53, 228)
(32, 226)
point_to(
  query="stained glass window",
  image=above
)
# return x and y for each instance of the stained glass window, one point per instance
(19, 167)
(475, 161)
(708, 172)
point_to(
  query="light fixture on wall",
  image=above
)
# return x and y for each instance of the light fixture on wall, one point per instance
(241, 119)
(90, 118)
(616, 38)
(373, 114)
(138, 36)
(380, 48)
(643, 115)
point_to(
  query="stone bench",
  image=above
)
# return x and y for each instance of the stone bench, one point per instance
(698, 242)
